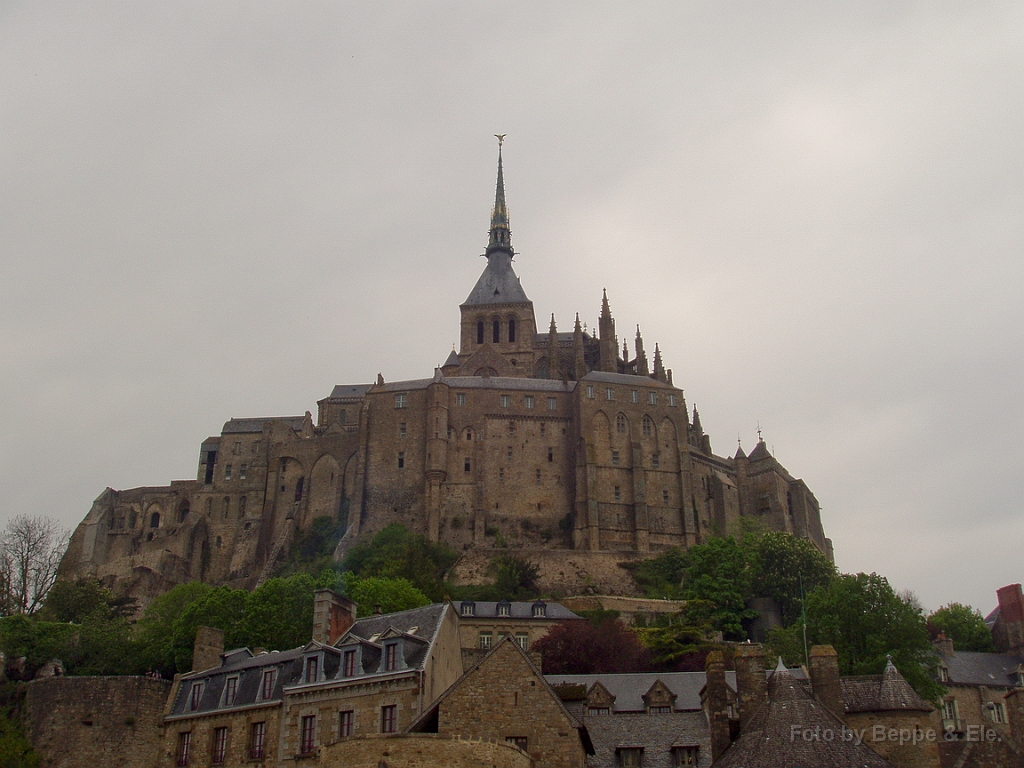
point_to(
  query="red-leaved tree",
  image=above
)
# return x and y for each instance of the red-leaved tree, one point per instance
(583, 648)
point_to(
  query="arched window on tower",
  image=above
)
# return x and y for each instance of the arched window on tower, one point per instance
(620, 424)
(497, 331)
(479, 331)
(512, 329)
(647, 425)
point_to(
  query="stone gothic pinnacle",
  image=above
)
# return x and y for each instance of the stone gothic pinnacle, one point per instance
(500, 235)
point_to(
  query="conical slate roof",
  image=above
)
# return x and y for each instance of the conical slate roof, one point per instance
(820, 739)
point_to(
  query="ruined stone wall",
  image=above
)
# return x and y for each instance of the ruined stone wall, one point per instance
(96, 721)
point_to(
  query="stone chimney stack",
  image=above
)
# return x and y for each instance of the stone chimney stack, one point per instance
(332, 616)
(716, 695)
(825, 684)
(943, 645)
(208, 647)
(1008, 632)
(751, 681)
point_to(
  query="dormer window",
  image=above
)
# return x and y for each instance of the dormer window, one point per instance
(504, 608)
(312, 669)
(267, 684)
(540, 610)
(468, 608)
(391, 657)
(348, 663)
(943, 673)
(230, 690)
(195, 696)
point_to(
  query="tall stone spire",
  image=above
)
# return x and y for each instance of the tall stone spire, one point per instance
(659, 367)
(641, 356)
(553, 349)
(609, 345)
(500, 236)
(579, 361)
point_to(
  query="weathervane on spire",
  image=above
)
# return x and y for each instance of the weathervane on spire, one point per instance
(501, 138)
(759, 438)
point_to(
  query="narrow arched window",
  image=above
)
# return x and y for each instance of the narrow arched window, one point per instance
(620, 423)
(497, 331)
(241, 507)
(154, 521)
(479, 331)
(512, 329)
(648, 425)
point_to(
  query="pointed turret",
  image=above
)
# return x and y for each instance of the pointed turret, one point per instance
(659, 367)
(578, 359)
(641, 356)
(697, 429)
(606, 330)
(553, 349)
(500, 235)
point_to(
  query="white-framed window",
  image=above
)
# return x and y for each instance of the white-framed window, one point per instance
(647, 426)
(528, 401)
(590, 391)
(484, 640)
(671, 401)
(243, 471)
(552, 403)
(220, 745)
(634, 396)
(523, 639)
(401, 400)
(652, 398)
(684, 757)
(460, 398)
(609, 393)
(998, 712)
(227, 471)
(503, 609)
(401, 430)
(506, 401)
(615, 458)
(599, 710)
(620, 423)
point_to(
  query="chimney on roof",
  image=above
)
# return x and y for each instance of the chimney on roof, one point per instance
(716, 698)
(824, 663)
(208, 647)
(332, 616)
(1008, 632)
(943, 645)
(751, 682)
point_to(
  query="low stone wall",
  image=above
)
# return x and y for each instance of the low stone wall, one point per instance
(96, 721)
(421, 750)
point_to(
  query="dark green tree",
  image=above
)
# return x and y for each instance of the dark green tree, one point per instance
(221, 608)
(717, 572)
(279, 613)
(661, 576)
(154, 632)
(864, 620)
(516, 577)
(396, 552)
(964, 625)
(778, 561)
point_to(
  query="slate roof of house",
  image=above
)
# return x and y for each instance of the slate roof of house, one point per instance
(629, 688)
(487, 609)
(768, 741)
(422, 623)
(629, 379)
(656, 734)
(887, 692)
(239, 426)
(971, 668)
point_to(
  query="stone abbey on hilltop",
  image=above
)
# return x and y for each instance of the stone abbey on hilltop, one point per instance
(525, 437)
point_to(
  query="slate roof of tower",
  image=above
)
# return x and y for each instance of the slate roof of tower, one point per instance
(760, 452)
(498, 284)
(239, 426)
(887, 692)
(769, 742)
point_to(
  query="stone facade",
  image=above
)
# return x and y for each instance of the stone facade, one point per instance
(505, 698)
(526, 436)
(76, 721)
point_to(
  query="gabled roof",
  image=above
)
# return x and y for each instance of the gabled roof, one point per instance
(972, 668)
(655, 734)
(245, 426)
(768, 740)
(425, 621)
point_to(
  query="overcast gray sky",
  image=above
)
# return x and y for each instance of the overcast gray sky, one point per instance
(215, 210)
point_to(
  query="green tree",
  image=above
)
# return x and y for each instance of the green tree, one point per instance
(681, 642)
(396, 552)
(717, 572)
(778, 561)
(390, 594)
(964, 625)
(661, 576)
(76, 601)
(864, 620)
(154, 632)
(221, 608)
(279, 613)
(516, 577)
